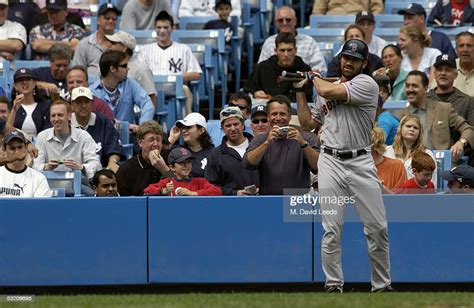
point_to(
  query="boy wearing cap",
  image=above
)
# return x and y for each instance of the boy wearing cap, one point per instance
(42, 37)
(223, 9)
(122, 41)
(16, 178)
(180, 162)
(366, 21)
(224, 167)
(89, 50)
(460, 179)
(101, 129)
(12, 35)
(415, 15)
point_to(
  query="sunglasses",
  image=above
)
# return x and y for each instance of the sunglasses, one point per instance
(123, 65)
(226, 113)
(257, 121)
(281, 20)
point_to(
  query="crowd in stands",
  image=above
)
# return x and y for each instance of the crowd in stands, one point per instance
(64, 116)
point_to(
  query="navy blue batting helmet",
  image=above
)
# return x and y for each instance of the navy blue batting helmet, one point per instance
(355, 48)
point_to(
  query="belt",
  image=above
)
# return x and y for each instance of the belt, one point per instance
(344, 154)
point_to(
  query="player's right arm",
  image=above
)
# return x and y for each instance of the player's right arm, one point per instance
(304, 114)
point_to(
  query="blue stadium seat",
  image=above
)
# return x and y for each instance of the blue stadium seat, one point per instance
(395, 104)
(443, 163)
(174, 101)
(56, 179)
(452, 32)
(388, 21)
(143, 36)
(324, 35)
(122, 128)
(388, 34)
(330, 21)
(205, 91)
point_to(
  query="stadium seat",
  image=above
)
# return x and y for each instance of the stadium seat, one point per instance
(214, 130)
(395, 104)
(174, 101)
(330, 21)
(324, 35)
(205, 91)
(388, 21)
(56, 179)
(122, 128)
(452, 32)
(143, 36)
(392, 7)
(388, 34)
(443, 163)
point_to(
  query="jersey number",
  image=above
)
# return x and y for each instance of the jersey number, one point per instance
(328, 106)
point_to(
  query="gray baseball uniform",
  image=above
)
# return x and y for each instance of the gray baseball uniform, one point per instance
(346, 130)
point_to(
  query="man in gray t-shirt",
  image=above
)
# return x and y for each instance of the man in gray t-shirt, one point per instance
(140, 14)
(346, 111)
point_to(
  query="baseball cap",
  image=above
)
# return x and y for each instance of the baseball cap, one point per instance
(191, 119)
(230, 112)
(220, 2)
(258, 109)
(445, 59)
(123, 38)
(107, 7)
(413, 9)
(22, 73)
(178, 155)
(81, 92)
(364, 15)
(463, 174)
(4, 2)
(13, 135)
(56, 4)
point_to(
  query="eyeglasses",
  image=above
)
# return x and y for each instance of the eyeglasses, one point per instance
(123, 65)
(281, 20)
(240, 107)
(257, 121)
(228, 112)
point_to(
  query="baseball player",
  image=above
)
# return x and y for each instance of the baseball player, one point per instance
(166, 57)
(346, 111)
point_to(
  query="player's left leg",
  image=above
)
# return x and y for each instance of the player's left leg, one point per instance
(366, 187)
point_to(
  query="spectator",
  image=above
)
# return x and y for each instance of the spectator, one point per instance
(465, 62)
(263, 82)
(225, 168)
(89, 49)
(285, 155)
(12, 35)
(306, 46)
(366, 21)
(53, 78)
(140, 14)
(354, 32)
(392, 60)
(423, 167)
(223, 9)
(104, 184)
(122, 41)
(103, 132)
(42, 37)
(415, 15)
(23, 13)
(181, 184)
(439, 120)
(416, 53)
(408, 141)
(259, 118)
(16, 178)
(334, 7)
(390, 171)
(460, 179)
(148, 166)
(193, 129)
(451, 12)
(171, 58)
(77, 77)
(66, 148)
(386, 120)
(121, 93)
(30, 111)
(206, 8)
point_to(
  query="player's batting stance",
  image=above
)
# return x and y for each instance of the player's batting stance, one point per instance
(346, 111)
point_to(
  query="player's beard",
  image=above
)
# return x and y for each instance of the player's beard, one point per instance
(349, 77)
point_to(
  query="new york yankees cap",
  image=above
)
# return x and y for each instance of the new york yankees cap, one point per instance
(445, 59)
(463, 174)
(81, 92)
(56, 4)
(413, 9)
(178, 155)
(365, 16)
(13, 135)
(104, 8)
(23, 73)
(258, 109)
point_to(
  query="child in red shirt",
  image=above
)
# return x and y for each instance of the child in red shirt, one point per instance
(180, 162)
(423, 167)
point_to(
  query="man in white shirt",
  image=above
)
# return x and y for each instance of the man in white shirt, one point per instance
(16, 178)
(12, 35)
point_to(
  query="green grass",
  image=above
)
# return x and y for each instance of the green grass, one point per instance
(269, 300)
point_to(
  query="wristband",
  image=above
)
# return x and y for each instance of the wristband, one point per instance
(304, 145)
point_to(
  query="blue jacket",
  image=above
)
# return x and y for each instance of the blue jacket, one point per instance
(442, 12)
(389, 124)
(40, 116)
(441, 42)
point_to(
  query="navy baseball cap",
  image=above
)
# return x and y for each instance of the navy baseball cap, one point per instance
(365, 16)
(23, 73)
(13, 135)
(463, 174)
(178, 155)
(413, 9)
(445, 59)
(56, 4)
(258, 109)
(104, 8)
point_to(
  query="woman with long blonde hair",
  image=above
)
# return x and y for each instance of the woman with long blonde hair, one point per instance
(416, 54)
(408, 141)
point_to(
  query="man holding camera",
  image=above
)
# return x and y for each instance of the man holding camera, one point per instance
(284, 156)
